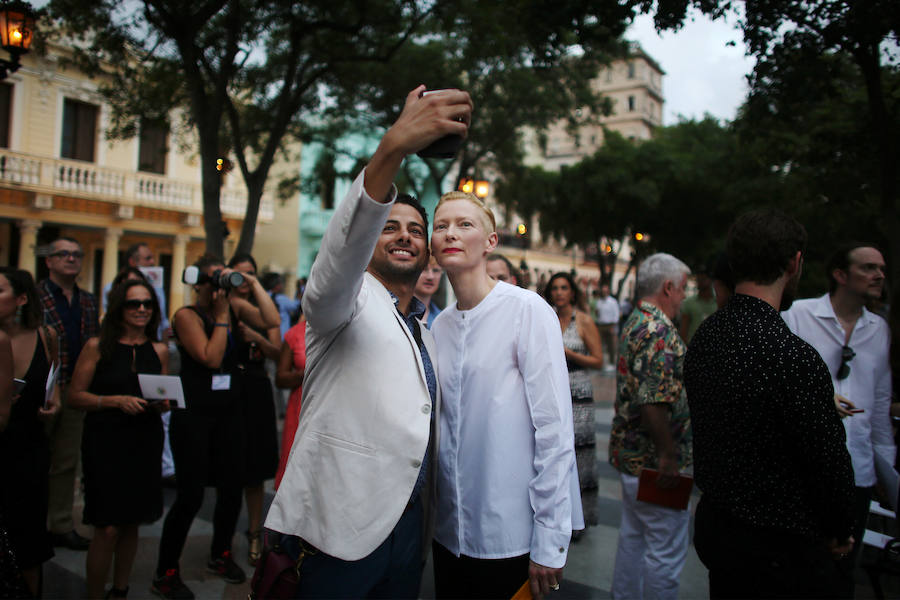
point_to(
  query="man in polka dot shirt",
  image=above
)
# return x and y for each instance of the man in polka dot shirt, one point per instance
(769, 455)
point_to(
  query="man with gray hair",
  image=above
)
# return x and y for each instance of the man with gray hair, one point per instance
(651, 428)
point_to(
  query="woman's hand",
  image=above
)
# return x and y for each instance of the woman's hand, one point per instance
(248, 334)
(131, 405)
(45, 413)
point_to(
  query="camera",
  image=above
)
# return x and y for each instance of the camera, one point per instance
(218, 278)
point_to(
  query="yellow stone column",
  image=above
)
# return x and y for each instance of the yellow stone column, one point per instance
(110, 256)
(180, 293)
(28, 229)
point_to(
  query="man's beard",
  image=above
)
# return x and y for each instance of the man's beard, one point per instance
(399, 274)
(789, 293)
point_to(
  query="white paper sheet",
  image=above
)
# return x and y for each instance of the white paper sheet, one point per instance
(50, 386)
(162, 387)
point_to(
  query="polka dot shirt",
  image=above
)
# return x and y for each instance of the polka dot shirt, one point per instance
(768, 444)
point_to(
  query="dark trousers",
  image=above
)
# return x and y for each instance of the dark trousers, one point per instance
(752, 563)
(393, 570)
(467, 577)
(188, 501)
(847, 565)
(205, 448)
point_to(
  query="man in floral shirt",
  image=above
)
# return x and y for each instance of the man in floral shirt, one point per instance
(651, 428)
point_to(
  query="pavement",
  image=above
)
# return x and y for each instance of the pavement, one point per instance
(587, 575)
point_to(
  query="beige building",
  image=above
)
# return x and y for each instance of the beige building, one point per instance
(634, 86)
(60, 176)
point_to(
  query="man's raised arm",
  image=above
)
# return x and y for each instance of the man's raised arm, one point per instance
(337, 275)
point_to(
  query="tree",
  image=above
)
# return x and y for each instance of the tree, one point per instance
(242, 69)
(524, 63)
(789, 37)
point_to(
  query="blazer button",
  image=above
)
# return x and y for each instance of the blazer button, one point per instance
(426, 408)
(416, 464)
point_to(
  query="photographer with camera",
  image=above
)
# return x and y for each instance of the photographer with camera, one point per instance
(207, 436)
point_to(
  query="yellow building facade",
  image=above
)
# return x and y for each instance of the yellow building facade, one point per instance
(60, 176)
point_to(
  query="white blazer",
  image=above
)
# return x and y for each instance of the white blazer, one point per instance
(366, 412)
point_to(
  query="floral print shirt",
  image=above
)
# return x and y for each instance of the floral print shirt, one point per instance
(650, 371)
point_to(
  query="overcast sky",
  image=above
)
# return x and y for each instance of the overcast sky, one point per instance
(703, 73)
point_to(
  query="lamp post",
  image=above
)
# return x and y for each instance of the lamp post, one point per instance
(16, 33)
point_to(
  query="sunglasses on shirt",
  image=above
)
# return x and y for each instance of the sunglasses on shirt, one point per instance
(136, 304)
(847, 355)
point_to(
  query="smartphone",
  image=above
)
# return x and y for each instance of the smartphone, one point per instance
(857, 410)
(19, 385)
(445, 147)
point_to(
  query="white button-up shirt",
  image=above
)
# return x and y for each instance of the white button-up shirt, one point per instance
(507, 483)
(868, 385)
(607, 310)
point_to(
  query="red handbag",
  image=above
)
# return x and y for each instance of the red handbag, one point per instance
(277, 573)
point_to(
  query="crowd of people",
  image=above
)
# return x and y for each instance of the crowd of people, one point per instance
(466, 431)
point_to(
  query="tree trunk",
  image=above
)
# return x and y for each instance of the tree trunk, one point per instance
(255, 188)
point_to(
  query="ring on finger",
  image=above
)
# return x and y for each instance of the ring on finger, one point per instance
(555, 587)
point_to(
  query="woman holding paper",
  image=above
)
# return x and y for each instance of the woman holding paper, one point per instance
(123, 435)
(24, 450)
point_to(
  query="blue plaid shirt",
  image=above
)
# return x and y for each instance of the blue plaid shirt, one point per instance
(416, 310)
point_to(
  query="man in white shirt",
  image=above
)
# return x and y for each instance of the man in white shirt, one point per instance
(508, 494)
(607, 322)
(356, 490)
(854, 343)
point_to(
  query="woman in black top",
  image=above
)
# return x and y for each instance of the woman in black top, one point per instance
(207, 437)
(123, 435)
(254, 345)
(24, 450)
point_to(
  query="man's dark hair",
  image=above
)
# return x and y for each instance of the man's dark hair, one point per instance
(48, 249)
(840, 259)
(133, 250)
(207, 260)
(412, 201)
(270, 280)
(761, 244)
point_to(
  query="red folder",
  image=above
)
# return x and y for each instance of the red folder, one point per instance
(676, 497)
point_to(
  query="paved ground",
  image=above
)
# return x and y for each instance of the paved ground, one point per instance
(587, 575)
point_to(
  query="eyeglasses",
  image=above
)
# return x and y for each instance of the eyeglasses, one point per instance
(847, 355)
(136, 304)
(77, 254)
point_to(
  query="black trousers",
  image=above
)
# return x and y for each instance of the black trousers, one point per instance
(206, 454)
(752, 563)
(467, 577)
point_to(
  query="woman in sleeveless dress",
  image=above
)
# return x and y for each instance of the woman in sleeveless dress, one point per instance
(24, 449)
(257, 338)
(123, 436)
(581, 339)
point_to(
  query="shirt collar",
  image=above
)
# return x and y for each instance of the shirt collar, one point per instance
(416, 308)
(825, 310)
(655, 311)
(56, 289)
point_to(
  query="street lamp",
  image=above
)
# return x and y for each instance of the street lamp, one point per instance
(16, 33)
(470, 186)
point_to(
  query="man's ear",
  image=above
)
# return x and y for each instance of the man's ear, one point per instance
(668, 287)
(795, 264)
(840, 276)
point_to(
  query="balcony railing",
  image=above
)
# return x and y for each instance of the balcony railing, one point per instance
(81, 179)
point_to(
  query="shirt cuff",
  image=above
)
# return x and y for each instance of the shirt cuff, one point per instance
(549, 547)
